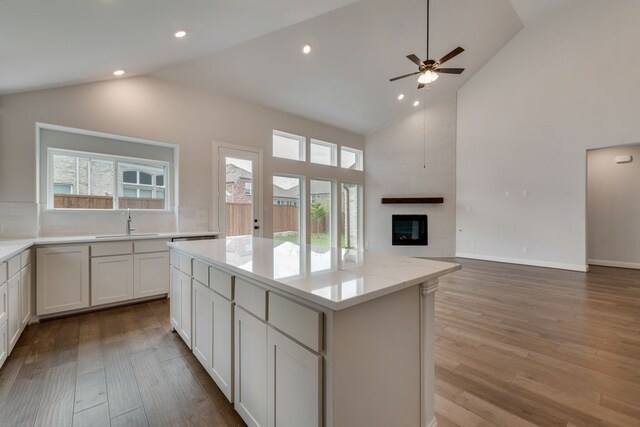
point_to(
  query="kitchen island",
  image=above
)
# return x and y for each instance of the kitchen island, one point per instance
(310, 336)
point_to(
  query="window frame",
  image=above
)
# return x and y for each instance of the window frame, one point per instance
(302, 145)
(359, 158)
(330, 145)
(51, 151)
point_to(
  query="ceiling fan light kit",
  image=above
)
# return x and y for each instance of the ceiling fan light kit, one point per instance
(429, 69)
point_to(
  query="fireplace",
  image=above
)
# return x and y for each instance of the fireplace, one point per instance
(409, 230)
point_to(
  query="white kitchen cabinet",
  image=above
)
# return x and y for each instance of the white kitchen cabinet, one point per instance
(294, 378)
(174, 300)
(111, 279)
(25, 296)
(13, 311)
(4, 304)
(202, 323)
(4, 350)
(185, 309)
(151, 274)
(62, 279)
(250, 368)
(221, 367)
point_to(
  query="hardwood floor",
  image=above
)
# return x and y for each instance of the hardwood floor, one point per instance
(519, 345)
(515, 346)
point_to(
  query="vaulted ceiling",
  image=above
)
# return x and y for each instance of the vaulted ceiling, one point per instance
(252, 49)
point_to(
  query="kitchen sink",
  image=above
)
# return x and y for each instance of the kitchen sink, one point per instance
(112, 236)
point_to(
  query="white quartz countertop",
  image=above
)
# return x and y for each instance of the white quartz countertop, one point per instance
(333, 278)
(10, 248)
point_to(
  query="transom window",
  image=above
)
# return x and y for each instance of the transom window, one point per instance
(323, 153)
(351, 158)
(81, 180)
(288, 146)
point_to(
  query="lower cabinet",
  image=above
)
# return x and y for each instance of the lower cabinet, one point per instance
(4, 350)
(294, 379)
(14, 321)
(25, 296)
(221, 368)
(151, 274)
(202, 323)
(250, 368)
(111, 279)
(62, 282)
(181, 304)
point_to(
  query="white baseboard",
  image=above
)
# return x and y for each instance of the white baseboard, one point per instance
(532, 262)
(618, 264)
(433, 423)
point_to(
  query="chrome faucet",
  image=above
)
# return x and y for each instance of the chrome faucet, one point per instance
(129, 229)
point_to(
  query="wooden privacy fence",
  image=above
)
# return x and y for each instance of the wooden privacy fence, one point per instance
(78, 201)
(285, 218)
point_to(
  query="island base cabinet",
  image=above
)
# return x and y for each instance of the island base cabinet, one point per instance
(250, 400)
(221, 368)
(294, 378)
(202, 324)
(181, 305)
(4, 350)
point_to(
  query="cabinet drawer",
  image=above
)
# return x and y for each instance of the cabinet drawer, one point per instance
(221, 282)
(13, 266)
(3, 272)
(174, 258)
(146, 246)
(298, 321)
(111, 248)
(201, 272)
(184, 263)
(251, 298)
(25, 258)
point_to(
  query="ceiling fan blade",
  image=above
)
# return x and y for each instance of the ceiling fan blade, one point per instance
(449, 70)
(402, 77)
(413, 58)
(421, 85)
(455, 52)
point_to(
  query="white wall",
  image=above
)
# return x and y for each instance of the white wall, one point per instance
(613, 207)
(147, 108)
(564, 85)
(394, 168)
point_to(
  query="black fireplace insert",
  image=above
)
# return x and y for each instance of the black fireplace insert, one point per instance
(409, 230)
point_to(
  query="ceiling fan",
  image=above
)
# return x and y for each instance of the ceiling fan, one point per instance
(429, 68)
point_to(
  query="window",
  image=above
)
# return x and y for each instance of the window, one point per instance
(247, 188)
(286, 209)
(351, 158)
(351, 216)
(79, 180)
(320, 211)
(288, 146)
(323, 153)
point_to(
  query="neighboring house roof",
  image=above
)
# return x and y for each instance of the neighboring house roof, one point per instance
(235, 173)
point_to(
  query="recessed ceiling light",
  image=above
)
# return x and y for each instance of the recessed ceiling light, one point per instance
(180, 34)
(118, 72)
(415, 104)
(401, 97)
(306, 49)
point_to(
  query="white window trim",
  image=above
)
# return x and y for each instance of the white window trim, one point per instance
(302, 143)
(107, 157)
(334, 152)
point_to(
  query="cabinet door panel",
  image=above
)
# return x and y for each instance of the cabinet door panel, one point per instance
(250, 368)
(3, 343)
(13, 310)
(185, 308)
(151, 274)
(295, 383)
(3, 303)
(221, 367)
(62, 279)
(202, 323)
(174, 301)
(25, 296)
(111, 279)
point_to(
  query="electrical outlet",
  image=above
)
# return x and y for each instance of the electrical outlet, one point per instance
(525, 249)
(525, 193)
(472, 245)
(507, 193)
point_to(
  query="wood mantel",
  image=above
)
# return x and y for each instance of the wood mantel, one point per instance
(412, 200)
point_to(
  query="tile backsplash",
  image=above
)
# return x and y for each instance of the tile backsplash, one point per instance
(18, 220)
